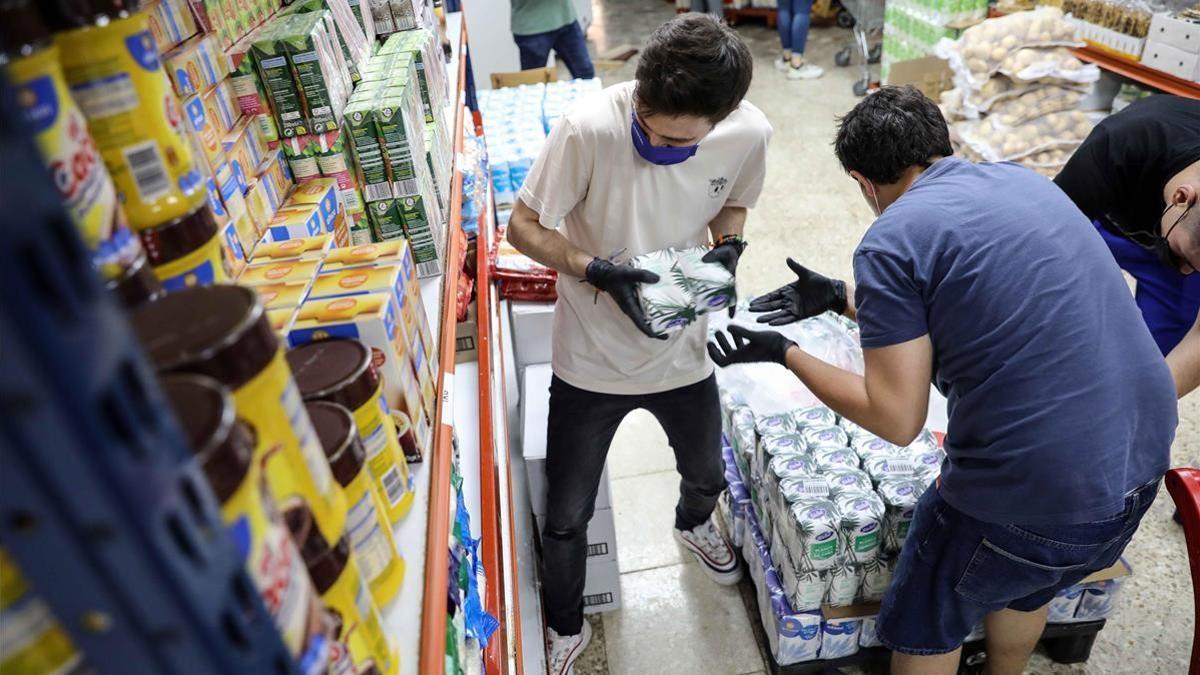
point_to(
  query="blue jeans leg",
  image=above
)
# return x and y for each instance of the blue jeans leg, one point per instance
(535, 49)
(801, 15)
(783, 18)
(571, 47)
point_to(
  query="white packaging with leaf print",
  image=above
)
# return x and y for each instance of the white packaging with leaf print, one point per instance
(876, 577)
(687, 288)
(811, 536)
(844, 580)
(712, 286)
(900, 497)
(862, 522)
(839, 637)
(815, 416)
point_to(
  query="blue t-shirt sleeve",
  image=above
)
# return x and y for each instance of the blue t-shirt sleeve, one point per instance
(888, 300)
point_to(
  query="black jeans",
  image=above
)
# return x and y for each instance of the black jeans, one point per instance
(567, 42)
(581, 426)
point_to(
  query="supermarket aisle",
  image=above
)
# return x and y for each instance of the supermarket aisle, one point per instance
(673, 619)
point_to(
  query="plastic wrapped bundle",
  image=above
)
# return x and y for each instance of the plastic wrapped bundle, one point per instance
(785, 467)
(876, 577)
(928, 463)
(1098, 600)
(848, 480)
(924, 442)
(814, 416)
(844, 580)
(806, 589)
(1063, 605)
(868, 446)
(770, 447)
(825, 436)
(882, 467)
(799, 638)
(711, 285)
(854, 431)
(774, 425)
(868, 637)
(832, 458)
(862, 520)
(811, 537)
(900, 497)
(839, 638)
(743, 438)
(667, 305)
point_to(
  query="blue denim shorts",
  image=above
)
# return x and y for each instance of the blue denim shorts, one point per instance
(954, 569)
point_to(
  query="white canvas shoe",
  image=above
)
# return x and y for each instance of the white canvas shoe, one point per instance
(782, 64)
(563, 650)
(714, 554)
(806, 72)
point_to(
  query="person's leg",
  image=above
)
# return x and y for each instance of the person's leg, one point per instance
(1010, 637)
(691, 418)
(801, 16)
(534, 49)
(571, 46)
(580, 428)
(932, 664)
(717, 8)
(783, 24)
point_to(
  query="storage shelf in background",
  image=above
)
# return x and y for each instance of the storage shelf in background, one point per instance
(1139, 73)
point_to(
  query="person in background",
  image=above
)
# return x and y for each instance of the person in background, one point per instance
(1137, 176)
(665, 161)
(541, 25)
(713, 7)
(1039, 383)
(794, 17)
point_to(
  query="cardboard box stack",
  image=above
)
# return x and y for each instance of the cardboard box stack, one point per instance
(911, 28)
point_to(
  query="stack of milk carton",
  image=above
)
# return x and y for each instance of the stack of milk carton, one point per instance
(516, 121)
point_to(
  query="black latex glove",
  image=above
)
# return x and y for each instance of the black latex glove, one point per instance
(749, 346)
(727, 255)
(620, 282)
(810, 295)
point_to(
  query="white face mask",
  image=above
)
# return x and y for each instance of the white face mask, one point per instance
(875, 198)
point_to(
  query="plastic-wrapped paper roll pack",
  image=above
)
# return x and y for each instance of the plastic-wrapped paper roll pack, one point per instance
(687, 288)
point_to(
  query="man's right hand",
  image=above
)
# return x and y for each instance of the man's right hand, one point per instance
(810, 295)
(620, 282)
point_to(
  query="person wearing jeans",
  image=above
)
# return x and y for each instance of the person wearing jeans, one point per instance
(539, 26)
(714, 7)
(673, 159)
(793, 19)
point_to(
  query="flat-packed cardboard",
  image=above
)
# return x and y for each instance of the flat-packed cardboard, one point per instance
(930, 75)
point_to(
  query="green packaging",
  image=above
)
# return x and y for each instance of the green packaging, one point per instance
(275, 75)
(369, 161)
(396, 122)
(306, 40)
(419, 227)
(386, 220)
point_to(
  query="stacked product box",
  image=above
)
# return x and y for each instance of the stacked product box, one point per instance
(304, 76)
(231, 20)
(171, 22)
(913, 27)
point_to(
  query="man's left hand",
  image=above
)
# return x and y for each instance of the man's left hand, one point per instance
(726, 254)
(749, 346)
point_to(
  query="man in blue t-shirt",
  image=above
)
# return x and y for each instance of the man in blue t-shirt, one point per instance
(987, 279)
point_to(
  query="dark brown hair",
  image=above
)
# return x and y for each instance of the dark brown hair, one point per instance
(693, 65)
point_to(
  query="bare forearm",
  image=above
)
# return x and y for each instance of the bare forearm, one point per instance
(1184, 362)
(851, 312)
(544, 245)
(729, 220)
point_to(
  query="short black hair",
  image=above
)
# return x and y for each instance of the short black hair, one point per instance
(889, 131)
(693, 65)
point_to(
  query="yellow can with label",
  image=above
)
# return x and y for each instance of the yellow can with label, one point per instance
(367, 525)
(34, 641)
(117, 79)
(63, 140)
(350, 613)
(224, 446)
(186, 252)
(341, 371)
(222, 331)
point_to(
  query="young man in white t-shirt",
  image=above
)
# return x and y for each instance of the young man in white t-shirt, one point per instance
(669, 160)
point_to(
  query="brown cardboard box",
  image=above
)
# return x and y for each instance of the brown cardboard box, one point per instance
(930, 75)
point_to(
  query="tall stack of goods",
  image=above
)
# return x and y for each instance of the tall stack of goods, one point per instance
(1018, 90)
(911, 28)
(1117, 26)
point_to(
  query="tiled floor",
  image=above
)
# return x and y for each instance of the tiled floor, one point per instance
(673, 619)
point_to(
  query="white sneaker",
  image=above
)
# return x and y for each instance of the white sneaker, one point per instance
(806, 72)
(563, 650)
(714, 554)
(782, 64)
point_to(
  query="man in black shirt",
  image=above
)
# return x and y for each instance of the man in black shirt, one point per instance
(1137, 175)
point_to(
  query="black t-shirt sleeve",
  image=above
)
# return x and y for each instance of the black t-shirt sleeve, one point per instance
(1089, 176)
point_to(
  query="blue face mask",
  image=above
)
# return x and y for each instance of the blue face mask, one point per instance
(664, 155)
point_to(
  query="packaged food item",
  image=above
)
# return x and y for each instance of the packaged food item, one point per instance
(828, 436)
(137, 285)
(371, 319)
(307, 248)
(367, 525)
(245, 150)
(236, 345)
(814, 416)
(282, 272)
(37, 642)
(1098, 600)
(111, 63)
(982, 48)
(340, 371)
(710, 284)
(322, 193)
(281, 320)
(269, 54)
(870, 446)
(806, 589)
(350, 614)
(862, 520)
(313, 66)
(811, 537)
(928, 462)
(282, 295)
(196, 65)
(186, 252)
(900, 497)
(868, 637)
(924, 442)
(224, 446)
(829, 458)
(295, 221)
(839, 638)
(66, 145)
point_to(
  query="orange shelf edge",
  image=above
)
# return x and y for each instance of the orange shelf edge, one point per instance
(437, 543)
(1140, 73)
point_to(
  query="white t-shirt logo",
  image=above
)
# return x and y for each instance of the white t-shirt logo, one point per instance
(716, 186)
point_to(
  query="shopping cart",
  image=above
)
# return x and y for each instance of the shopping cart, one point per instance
(867, 24)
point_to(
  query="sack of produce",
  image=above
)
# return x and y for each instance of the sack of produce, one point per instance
(814, 416)
(1037, 101)
(825, 436)
(829, 458)
(982, 49)
(883, 467)
(996, 142)
(862, 521)
(843, 585)
(1049, 163)
(811, 535)
(839, 638)
(876, 577)
(1056, 65)
(711, 285)
(847, 480)
(900, 497)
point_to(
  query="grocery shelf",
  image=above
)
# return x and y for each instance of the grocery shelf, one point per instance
(1140, 73)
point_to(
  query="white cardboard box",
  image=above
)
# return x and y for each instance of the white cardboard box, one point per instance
(1172, 60)
(1168, 30)
(535, 407)
(532, 326)
(602, 590)
(601, 535)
